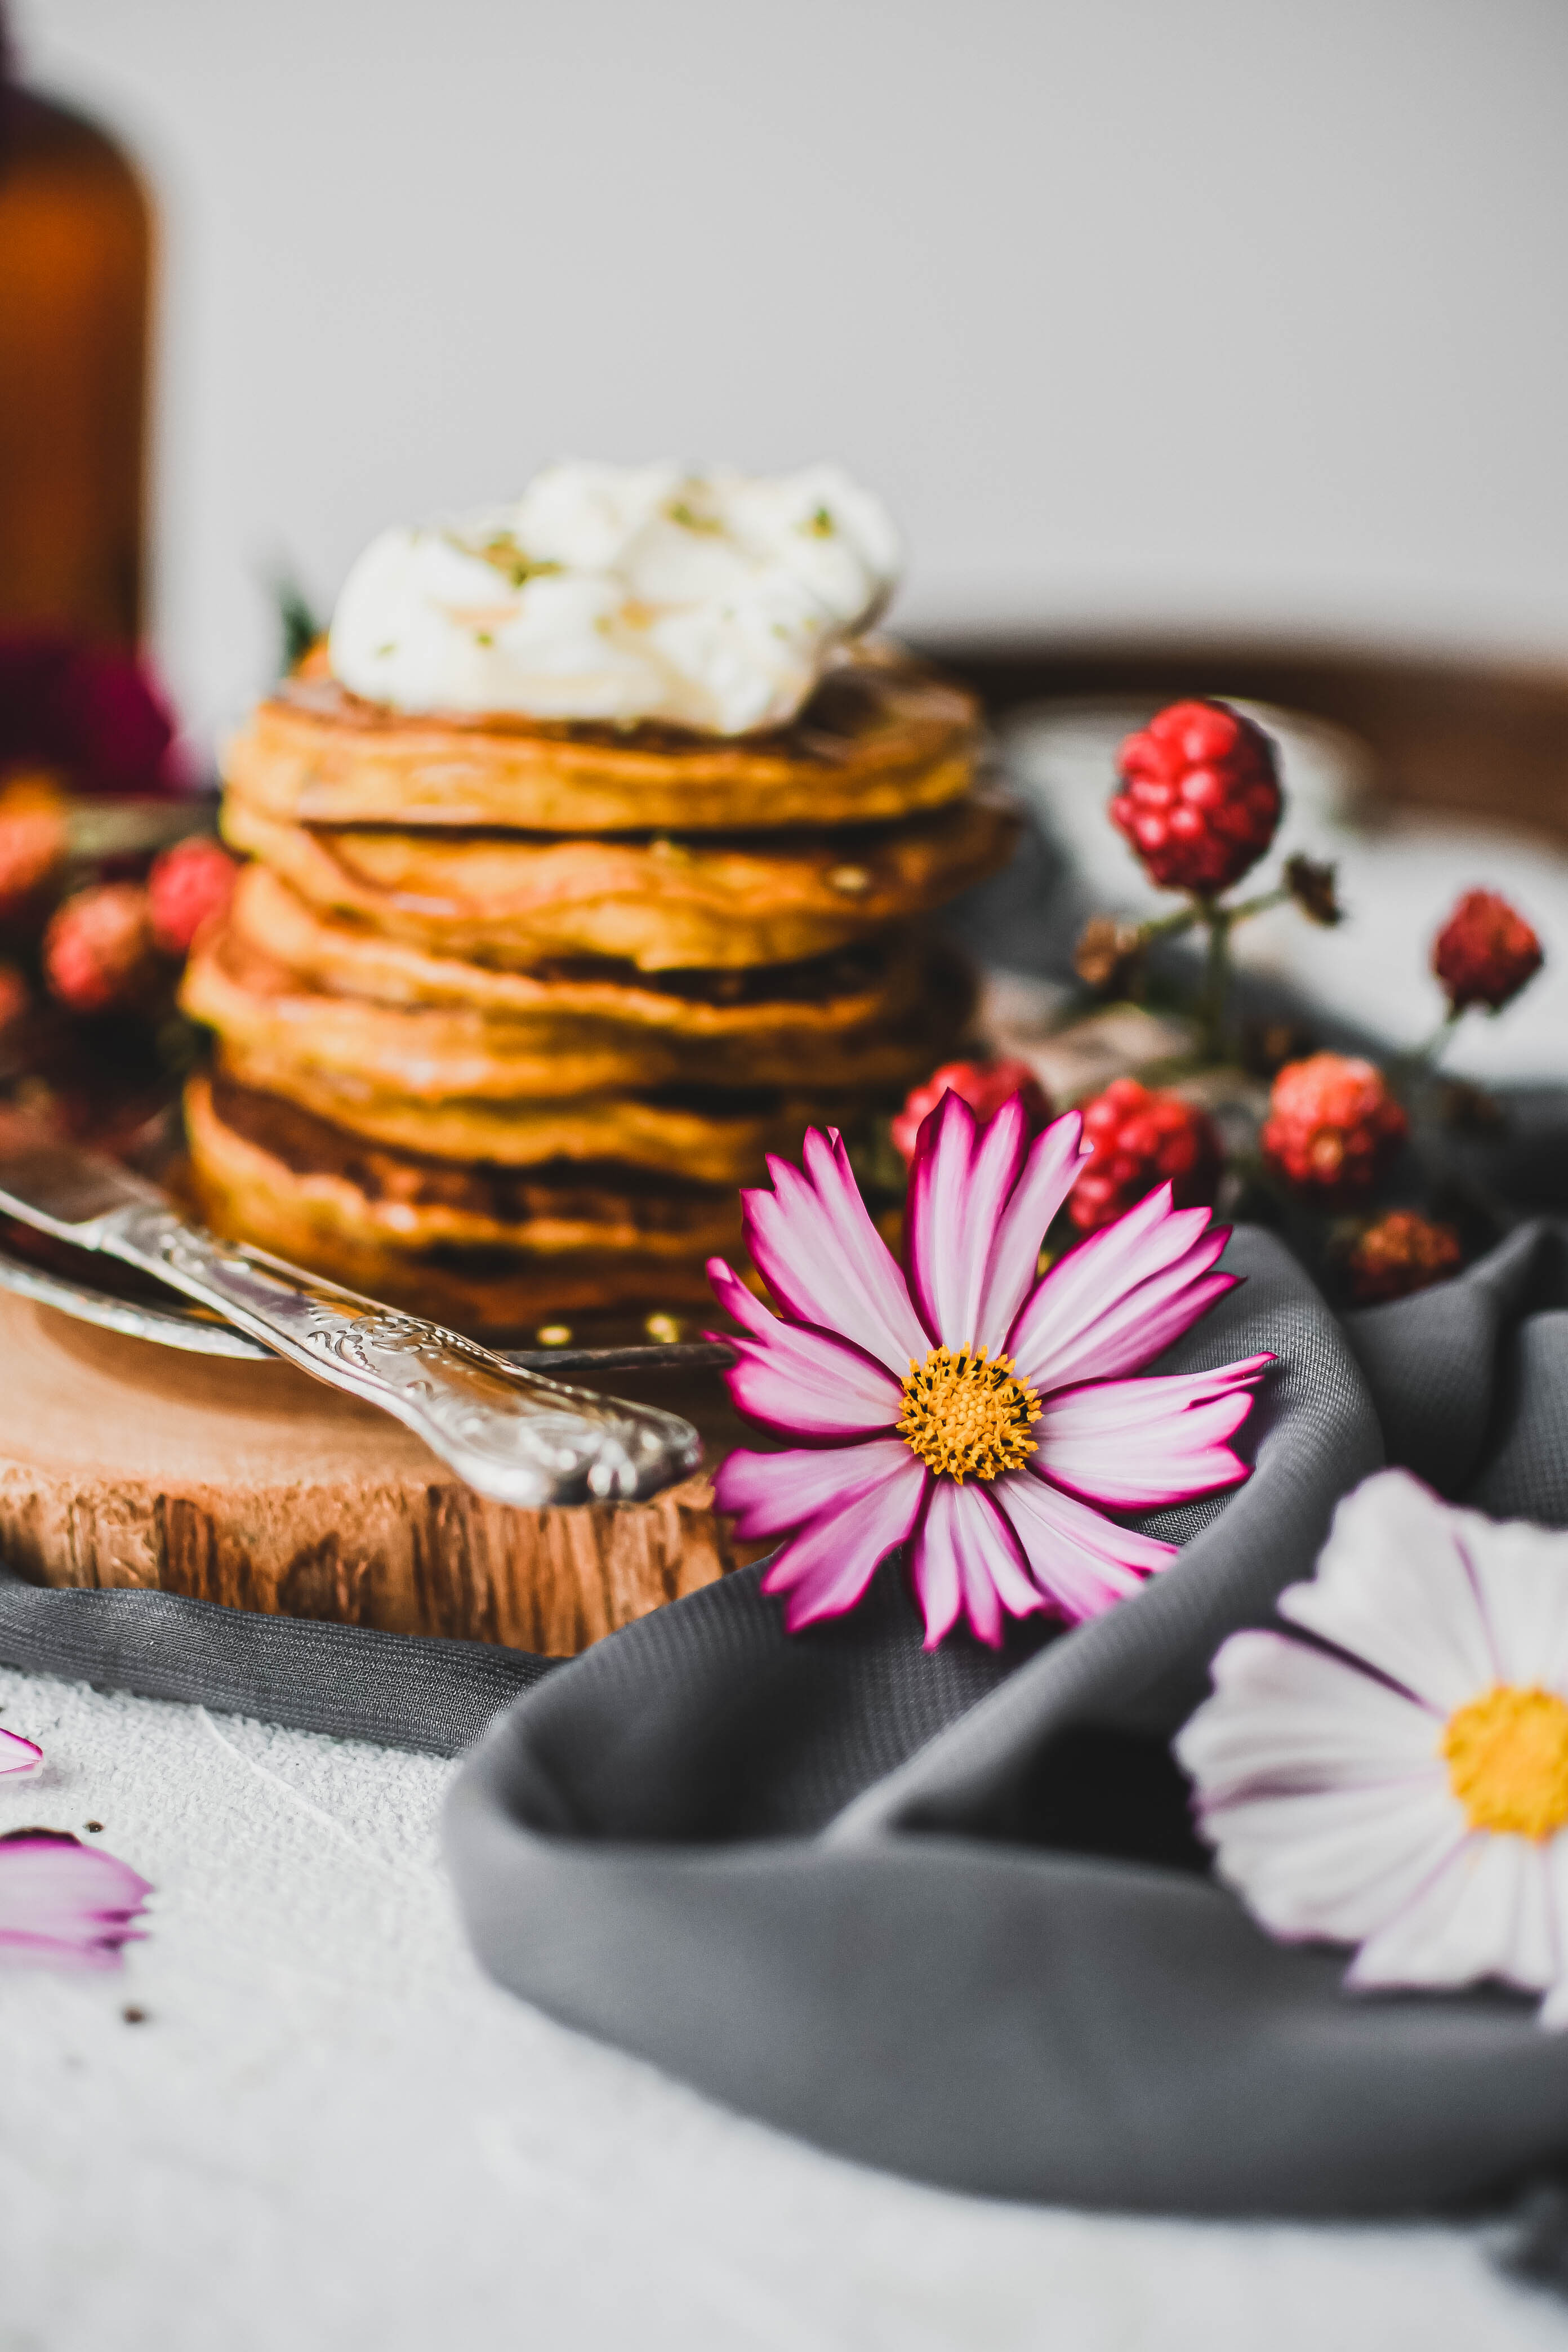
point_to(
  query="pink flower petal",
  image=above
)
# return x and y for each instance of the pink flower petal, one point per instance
(1117, 1301)
(1082, 1562)
(18, 1754)
(814, 1245)
(63, 1903)
(1050, 1173)
(959, 1185)
(1133, 1445)
(826, 1567)
(799, 1382)
(770, 1492)
(966, 1560)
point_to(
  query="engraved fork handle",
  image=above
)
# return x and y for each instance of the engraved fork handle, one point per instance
(512, 1434)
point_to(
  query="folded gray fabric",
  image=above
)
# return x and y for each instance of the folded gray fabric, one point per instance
(946, 1913)
(400, 1689)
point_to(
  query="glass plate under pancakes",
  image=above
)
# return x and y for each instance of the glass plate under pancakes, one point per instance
(99, 1290)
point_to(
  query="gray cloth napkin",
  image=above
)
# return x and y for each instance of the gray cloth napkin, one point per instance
(945, 1912)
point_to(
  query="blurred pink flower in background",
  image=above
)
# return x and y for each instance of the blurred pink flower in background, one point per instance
(90, 715)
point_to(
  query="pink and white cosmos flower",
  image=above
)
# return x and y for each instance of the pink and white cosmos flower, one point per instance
(975, 1412)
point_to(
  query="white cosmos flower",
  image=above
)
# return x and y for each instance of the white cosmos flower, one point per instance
(1406, 1791)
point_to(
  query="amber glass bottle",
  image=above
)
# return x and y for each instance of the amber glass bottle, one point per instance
(75, 261)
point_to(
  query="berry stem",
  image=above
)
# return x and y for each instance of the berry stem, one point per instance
(1170, 927)
(1217, 920)
(1279, 896)
(1422, 1059)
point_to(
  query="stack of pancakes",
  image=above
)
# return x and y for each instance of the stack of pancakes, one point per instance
(507, 1010)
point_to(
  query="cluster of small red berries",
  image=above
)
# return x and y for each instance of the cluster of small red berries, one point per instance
(983, 1086)
(1200, 799)
(1485, 952)
(102, 946)
(1402, 1253)
(1333, 1127)
(1140, 1137)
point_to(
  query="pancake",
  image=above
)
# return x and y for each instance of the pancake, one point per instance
(290, 1035)
(513, 901)
(335, 955)
(716, 1138)
(881, 738)
(479, 1245)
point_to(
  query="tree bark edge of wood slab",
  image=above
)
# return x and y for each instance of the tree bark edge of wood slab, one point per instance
(127, 1465)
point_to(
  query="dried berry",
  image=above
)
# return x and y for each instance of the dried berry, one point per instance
(187, 884)
(1400, 1254)
(1139, 1138)
(1108, 957)
(1311, 886)
(983, 1086)
(1332, 1126)
(1485, 952)
(98, 948)
(1200, 797)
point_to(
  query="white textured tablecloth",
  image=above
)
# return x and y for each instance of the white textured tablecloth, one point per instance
(330, 2131)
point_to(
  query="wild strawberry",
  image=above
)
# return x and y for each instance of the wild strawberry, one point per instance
(983, 1086)
(1332, 1126)
(1200, 796)
(1402, 1253)
(1141, 1137)
(188, 883)
(98, 948)
(1485, 952)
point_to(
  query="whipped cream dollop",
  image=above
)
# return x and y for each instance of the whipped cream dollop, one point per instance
(711, 600)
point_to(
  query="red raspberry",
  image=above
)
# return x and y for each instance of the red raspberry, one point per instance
(1400, 1254)
(1332, 1126)
(188, 883)
(1485, 952)
(98, 948)
(1140, 1138)
(1200, 796)
(983, 1086)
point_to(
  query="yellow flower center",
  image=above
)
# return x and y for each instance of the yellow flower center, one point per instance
(1507, 1760)
(965, 1415)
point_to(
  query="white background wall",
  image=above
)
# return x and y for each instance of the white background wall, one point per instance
(1210, 310)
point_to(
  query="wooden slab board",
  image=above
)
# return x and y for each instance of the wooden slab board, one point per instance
(126, 1463)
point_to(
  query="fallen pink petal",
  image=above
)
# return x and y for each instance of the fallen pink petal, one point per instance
(65, 1905)
(19, 1755)
(986, 1415)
